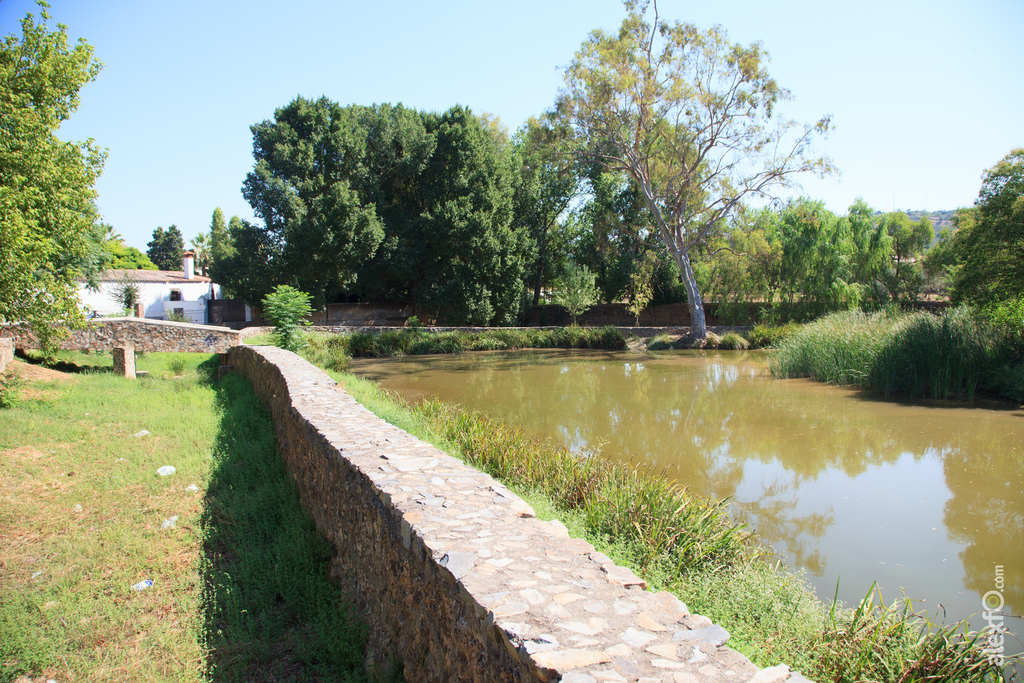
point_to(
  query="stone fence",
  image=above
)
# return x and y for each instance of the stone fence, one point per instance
(453, 574)
(143, 334)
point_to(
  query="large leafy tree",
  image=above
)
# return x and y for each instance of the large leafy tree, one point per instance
(991, 246)
(166, 248)
(49, 236)
(691, 119)
(384, 202)
(305, 187)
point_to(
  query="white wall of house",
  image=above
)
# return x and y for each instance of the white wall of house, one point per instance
(156, 298)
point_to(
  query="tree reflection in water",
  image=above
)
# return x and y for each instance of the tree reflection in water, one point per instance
(717, 423)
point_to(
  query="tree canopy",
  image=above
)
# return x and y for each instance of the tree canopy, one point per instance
(166, 248)
(385, 203)
(990, 246)
(691, 119)
(49, 236)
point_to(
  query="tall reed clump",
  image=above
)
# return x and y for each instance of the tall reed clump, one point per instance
(655, 518)
(950, 356)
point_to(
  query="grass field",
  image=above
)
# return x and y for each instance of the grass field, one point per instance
(239, 589)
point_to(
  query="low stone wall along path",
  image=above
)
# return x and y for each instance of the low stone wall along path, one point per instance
(454, 575)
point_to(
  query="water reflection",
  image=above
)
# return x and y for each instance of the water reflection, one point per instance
(922, 496)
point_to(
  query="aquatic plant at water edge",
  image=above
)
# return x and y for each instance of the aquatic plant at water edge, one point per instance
(950, 356)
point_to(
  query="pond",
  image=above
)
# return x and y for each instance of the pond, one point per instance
(923, 496)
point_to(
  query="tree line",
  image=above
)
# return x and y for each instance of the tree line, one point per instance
(653, 176)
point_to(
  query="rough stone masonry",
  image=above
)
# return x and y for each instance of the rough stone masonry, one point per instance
(453, 574)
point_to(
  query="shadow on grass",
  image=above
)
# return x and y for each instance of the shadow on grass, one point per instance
(63, 365)
(270, 613)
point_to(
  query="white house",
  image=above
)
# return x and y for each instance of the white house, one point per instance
(161, 292)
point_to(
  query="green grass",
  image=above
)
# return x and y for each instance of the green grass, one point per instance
(688, 546)
(951, 356)
(239, 589)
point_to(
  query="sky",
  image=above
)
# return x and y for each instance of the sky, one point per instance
(924, 95)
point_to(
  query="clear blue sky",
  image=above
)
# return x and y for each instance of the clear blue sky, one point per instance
(925, 94)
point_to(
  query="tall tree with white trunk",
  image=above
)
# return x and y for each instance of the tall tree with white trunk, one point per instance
(691, 119)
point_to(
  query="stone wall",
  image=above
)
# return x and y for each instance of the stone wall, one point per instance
(145, 335)
(453, 574)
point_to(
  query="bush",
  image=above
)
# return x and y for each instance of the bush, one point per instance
(768, 336)
(327, 351)
(11, 384)
(286, 308)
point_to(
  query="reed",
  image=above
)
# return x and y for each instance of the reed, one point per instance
(951, 356)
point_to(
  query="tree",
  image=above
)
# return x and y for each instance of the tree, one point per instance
(126, 291)
(220, 238)
(201, 250)
(576, 291)
(691, 120)
(904, 278)
(544, 189)
(991, 246)
(641, 287)
(166, 248)
(122, 257)
(49, 237)
(305, 188)
(286, 308)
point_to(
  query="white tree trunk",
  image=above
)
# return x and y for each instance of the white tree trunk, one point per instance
(698, 326)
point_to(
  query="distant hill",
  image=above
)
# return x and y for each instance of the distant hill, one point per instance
(940, 219)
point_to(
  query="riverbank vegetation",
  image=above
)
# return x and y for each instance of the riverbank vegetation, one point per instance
(237, 594)
(333, 350)
(688, 545)
(954, 355)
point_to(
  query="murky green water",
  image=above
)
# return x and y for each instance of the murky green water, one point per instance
(925, 497)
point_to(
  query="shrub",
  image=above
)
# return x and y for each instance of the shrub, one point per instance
(327, 350)
(734, 341)
(286, 308)
(767, 336)
(11, 384)
(576, 291)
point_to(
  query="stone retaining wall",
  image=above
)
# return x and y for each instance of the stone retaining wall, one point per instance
(453, 574)
(144, 334)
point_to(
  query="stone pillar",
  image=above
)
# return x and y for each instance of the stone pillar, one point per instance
(6, 353)
(124, 361)
(140, 310)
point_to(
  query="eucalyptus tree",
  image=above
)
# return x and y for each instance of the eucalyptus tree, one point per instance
(691, 119)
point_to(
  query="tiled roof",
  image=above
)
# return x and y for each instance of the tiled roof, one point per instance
(171, 276)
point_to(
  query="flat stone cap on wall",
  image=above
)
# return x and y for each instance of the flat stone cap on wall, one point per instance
(147, 336)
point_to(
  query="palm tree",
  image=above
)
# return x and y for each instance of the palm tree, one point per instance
(201, 248)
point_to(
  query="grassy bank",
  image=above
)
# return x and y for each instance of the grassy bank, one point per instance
(239, 589)
(951, 356)
(688, 545)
